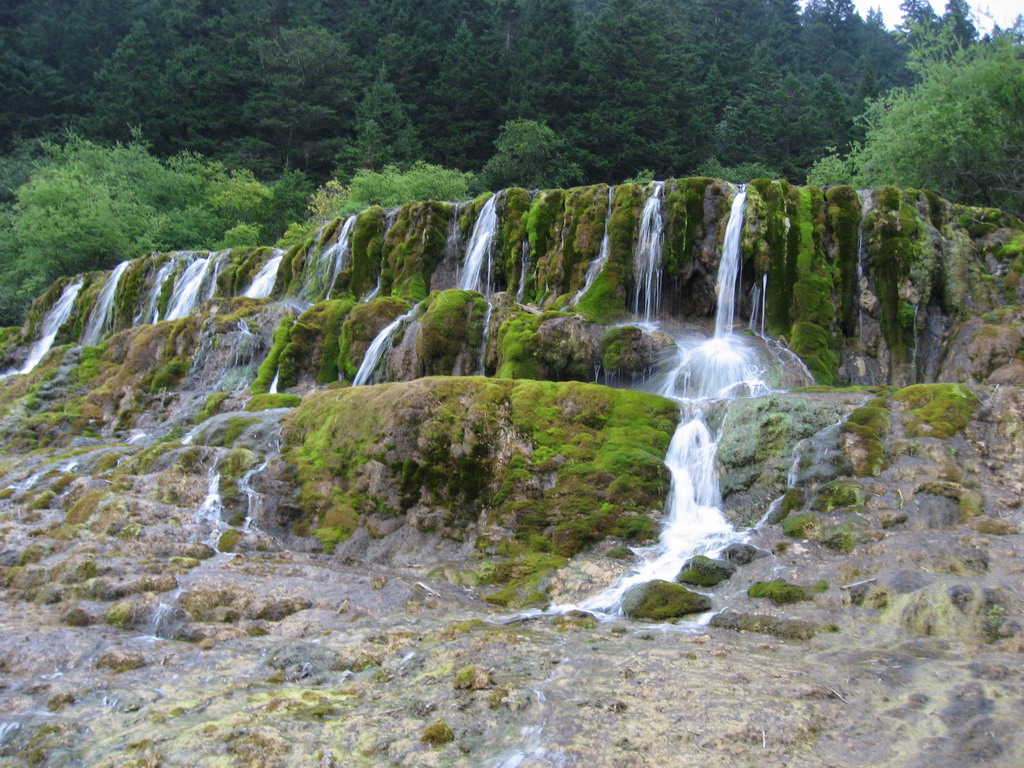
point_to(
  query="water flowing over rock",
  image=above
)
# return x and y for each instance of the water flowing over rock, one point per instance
(459, 561)
(98, 323)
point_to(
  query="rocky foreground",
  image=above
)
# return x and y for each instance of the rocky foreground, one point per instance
(140, 632)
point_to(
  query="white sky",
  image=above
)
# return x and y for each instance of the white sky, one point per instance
(989, 12)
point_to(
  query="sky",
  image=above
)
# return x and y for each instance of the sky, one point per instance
(1002, 12)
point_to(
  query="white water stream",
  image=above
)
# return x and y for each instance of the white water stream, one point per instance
(263, 283)
(98, 322)
(479, 250)
(647, 259)
(721, 367)
(52, 321)
(381, 345)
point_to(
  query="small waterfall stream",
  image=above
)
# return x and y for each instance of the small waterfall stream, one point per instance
(376, 354)
(479, 250)
(52, 322)
(98, 322)
(720, 367)
(150, 312)
(647, 259)
(263, 283)
(602, 255)
(185, 295)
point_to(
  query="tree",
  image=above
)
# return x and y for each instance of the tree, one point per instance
(960, 131)
(529, 155)
(384, 133)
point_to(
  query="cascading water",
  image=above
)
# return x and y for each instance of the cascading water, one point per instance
(98, 322)
(602, 255)
(186, 291)
(264, 281)
(379, 348)
(322, 269)
(150, 312)
(729, 268)
(52, 321)
(479, 250)
(209, 512)
(273, 384)
(647, 259)
(711, 369)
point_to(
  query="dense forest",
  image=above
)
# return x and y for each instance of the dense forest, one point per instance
(128, 125)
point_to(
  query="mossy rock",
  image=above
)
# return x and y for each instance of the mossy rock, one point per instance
(662, 600)
(782, 592)
(268, 401)
(472, 678)
(838, 494)
(805, 526)
(228, 540)
(704, 571)
(438, 734)
(936, 410)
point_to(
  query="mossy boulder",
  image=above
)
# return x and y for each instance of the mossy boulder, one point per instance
(781, 591)
(704, 571)
(936, 410)
(559, 465)
(662, 600)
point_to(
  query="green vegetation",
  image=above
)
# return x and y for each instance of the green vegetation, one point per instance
(781, 592)
(605, 459)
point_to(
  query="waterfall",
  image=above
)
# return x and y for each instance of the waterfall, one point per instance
(602, 256)
(273, 384)
(209, 511)
(57, 315)
(98, 323)
(479, 249)
(728, 270)
(150, 312)
(340, 250)
(378, 349)
(720, 367)
(185, 295)
(647, 259)
(320, 271)
(254, 501)
(263, 283)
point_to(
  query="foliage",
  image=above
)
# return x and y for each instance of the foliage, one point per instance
(960, 131)
(529, 155)
(737, 174)
(85, 207)
(393, 186)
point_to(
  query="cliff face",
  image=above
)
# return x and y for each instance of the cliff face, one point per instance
(321, 466)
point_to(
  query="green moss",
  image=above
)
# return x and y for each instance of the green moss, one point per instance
(702, 571)
(451, 326)
(541, 230)
(661, 600)
(330, 538)
(413, 248)
(514, 244)
(869, 424)
(268, 368)
(805, 526)
(605, 302)
(367, 247)
(844, 215)
(685, 228)
(265, 402)
(838, 494)
(601, 449)
(228, 540)
(212, 406)
(784, 236)
(438, 734)
(169, 374)
(782, 592)
(937, 410)
(235, 427)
